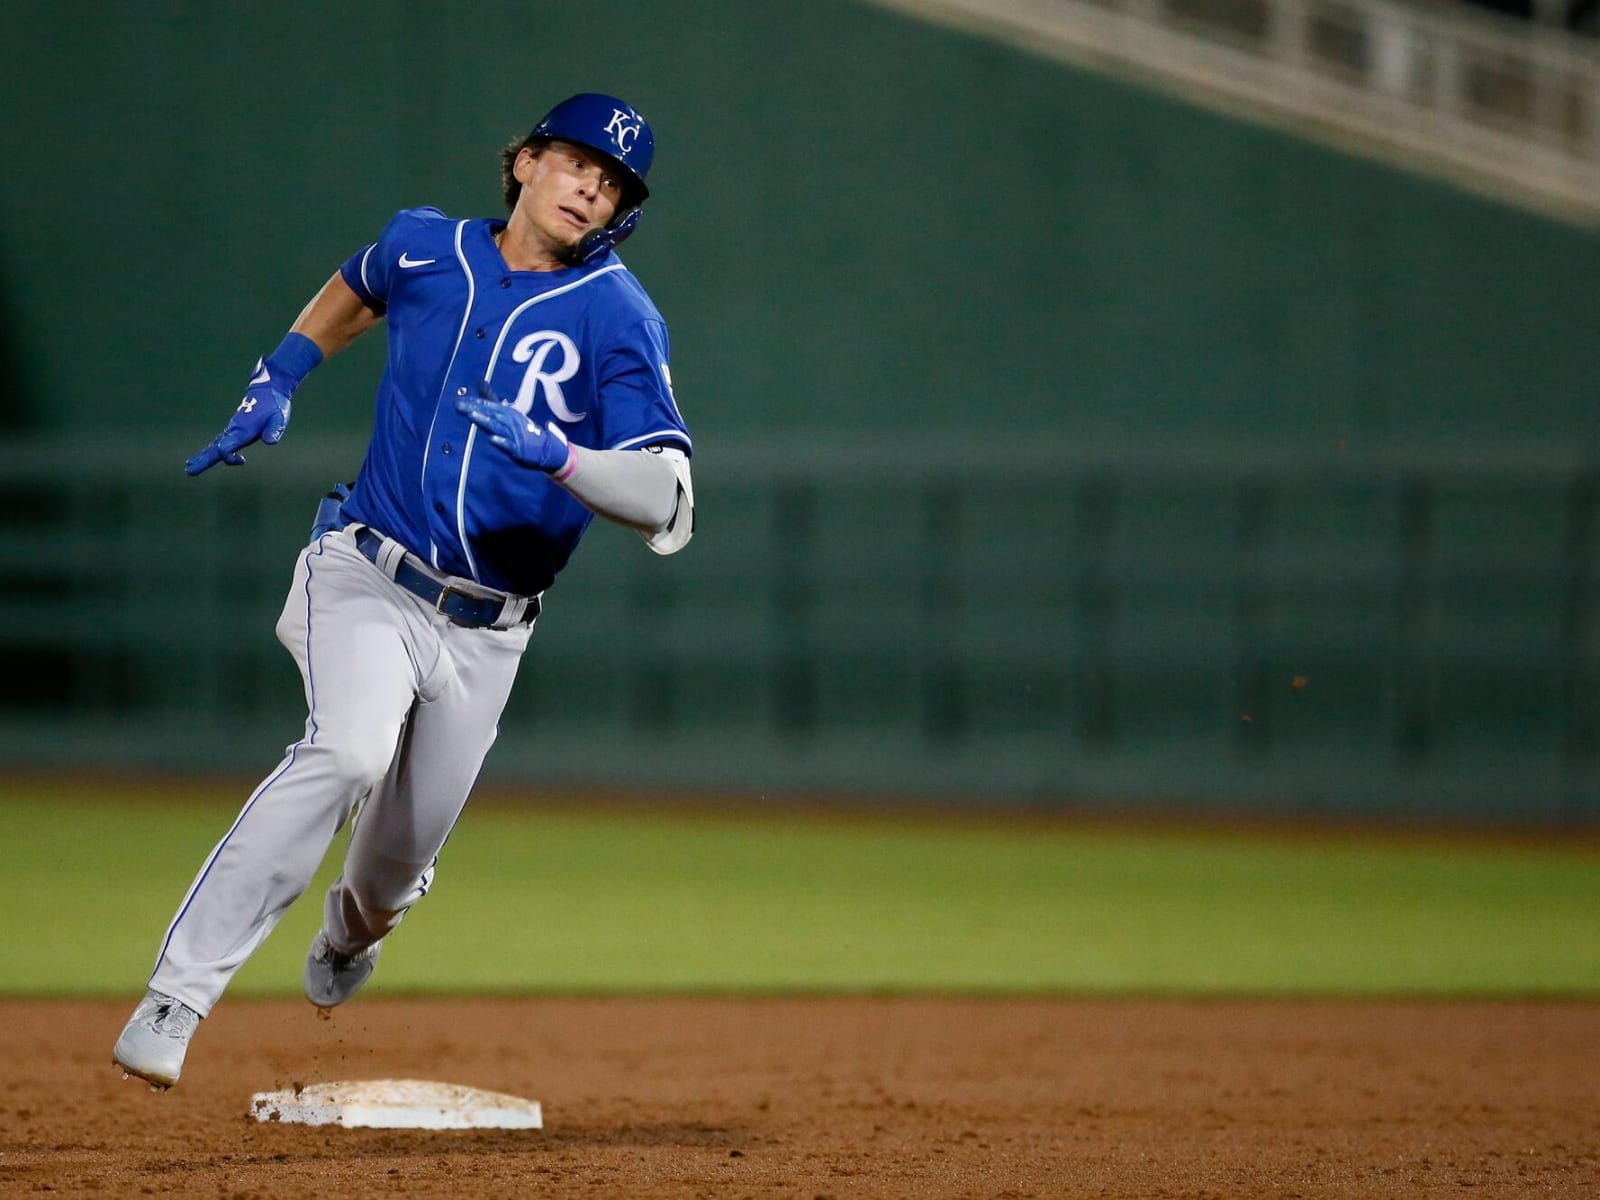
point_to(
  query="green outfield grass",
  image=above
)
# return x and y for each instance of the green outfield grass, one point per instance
(623, 901)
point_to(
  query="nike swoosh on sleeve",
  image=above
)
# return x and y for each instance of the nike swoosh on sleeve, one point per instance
(407, 262)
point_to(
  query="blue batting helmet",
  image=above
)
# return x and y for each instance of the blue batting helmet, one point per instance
(615, 129)
(607, 126)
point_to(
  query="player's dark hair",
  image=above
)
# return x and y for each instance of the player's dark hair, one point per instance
(508, 158)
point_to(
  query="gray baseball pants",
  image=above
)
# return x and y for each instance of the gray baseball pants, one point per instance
(402, 707)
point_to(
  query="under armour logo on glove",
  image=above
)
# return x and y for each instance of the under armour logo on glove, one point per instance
(263, 414)
(248, 425)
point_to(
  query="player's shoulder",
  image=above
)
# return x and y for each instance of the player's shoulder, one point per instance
(423, 221)
(424, 215)
(627, 300)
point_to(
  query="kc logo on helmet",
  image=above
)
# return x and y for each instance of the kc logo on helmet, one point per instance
(621, 131)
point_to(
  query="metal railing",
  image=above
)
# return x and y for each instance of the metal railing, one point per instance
(1509, 108)
(1404, 633)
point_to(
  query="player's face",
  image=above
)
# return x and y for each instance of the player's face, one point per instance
(567, 191)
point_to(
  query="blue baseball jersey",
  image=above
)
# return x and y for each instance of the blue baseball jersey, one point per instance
(581, 347)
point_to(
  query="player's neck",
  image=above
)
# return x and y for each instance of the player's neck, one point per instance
(523, 248)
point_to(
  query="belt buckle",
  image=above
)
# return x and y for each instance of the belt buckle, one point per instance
(445, 592)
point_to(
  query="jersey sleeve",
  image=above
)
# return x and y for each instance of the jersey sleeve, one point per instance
(636, 391)
(369, 269)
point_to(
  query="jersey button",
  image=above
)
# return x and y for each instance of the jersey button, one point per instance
(480, 333)
(446, 448)
(461, 391)
(438, 508)
(505, 283)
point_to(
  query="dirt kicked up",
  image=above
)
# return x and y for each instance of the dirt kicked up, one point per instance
(849, 1097)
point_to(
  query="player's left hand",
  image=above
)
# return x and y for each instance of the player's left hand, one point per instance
(543, 447)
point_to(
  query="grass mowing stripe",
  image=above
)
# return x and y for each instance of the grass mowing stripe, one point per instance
(623, 901)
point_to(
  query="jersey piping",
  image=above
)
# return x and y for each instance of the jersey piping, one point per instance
(676, 435)
(364, 281)
(516, 312)
(494, 357)
(461, 503)
(427, 447)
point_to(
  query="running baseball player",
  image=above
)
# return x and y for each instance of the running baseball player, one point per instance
(527, 389)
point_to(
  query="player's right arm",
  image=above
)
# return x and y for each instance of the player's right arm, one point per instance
(330, 321)
(347, 306)
(335, 317)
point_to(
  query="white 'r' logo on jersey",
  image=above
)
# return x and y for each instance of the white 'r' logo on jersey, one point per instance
(535, 350)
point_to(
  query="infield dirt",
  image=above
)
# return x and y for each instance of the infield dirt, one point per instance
(834, 1097)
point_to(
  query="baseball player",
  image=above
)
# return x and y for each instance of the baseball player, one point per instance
(527, 388)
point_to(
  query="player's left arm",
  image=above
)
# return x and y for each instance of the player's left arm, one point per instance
(650, 489)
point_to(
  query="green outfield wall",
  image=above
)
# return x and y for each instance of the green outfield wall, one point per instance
(1048, 430)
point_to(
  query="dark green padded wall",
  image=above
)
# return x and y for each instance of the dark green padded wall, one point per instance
(1281, 412)
(860, 224)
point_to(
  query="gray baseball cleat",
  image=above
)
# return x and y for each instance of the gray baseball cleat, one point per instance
(155, 1040)
(331, 978)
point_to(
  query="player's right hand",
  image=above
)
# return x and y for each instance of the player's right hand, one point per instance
(262, 416)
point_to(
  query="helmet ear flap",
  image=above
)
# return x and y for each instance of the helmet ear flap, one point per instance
(622, 226)
(597, 242)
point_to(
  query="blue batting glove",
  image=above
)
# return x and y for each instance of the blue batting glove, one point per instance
(543, 447)
(263, 414)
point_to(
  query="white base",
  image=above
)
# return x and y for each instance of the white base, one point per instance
(397, 1104)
